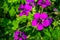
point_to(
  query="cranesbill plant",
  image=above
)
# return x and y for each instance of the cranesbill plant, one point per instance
(44, 3)
(19, 35)
(41, 20)
(25, 9)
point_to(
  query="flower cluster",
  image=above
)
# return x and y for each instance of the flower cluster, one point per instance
(30, 3)
(44, 3)
(41, 20)
(25, 9)
(19, 35)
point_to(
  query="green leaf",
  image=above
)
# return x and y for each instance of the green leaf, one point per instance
(39, 35)
(46, 32)
(22, 18)
(19, 1)
(30, 17)
(5, 7)
(15, 24)
(22, 1)
(33, 10)
(50, 29)
(17, 8)
(36, 0)
(55, 23)
(12, 1)
(53, 0)
(4, 22)
(55, 34)
(12, 11)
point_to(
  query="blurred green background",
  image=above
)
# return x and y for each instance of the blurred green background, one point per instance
(10, 21)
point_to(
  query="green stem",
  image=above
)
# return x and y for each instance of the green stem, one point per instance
(41, 9)
(33, 30)
(22, 27)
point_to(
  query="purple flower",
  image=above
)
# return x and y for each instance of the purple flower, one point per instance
(31, 2)
(50, 20)
(16, 35)
(44, 3)
(41, 20)
(28, 7)
(21, 7)
(20, 39)
(24, 13)
(23, 35)
(25, 9)
(19, 35)
(55, 9)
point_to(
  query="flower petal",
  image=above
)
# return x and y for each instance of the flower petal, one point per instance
(48, 3)
(21, 14)
(20, 38)
(28, 7)
(21, 7)
(55, 9)
(50, 19)
(39, 2)
(24, 36)
(17, 32)
(46, 23)
(16, 37)
(29, 1)
(44, 15)
(40, 27)
(44, 5)
(34, 22)
(37, 15)
(24, 12)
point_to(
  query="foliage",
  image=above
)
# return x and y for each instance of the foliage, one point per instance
(11, 21)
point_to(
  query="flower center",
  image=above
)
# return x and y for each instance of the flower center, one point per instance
(39, 21)
(43, 2)
(24, 12)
